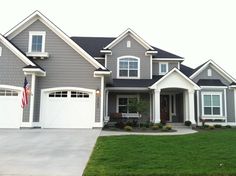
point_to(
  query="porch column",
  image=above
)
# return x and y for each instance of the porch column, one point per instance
(157, 118)
(191, 106)
(186, 105)
(32, 92)
(106, 106)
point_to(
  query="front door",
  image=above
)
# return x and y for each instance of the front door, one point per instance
(164, 108)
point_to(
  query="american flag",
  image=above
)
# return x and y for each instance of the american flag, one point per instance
(24, 100)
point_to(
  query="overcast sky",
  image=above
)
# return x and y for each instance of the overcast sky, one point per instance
(196, 30)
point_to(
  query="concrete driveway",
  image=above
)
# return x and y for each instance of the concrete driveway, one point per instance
(45, 152)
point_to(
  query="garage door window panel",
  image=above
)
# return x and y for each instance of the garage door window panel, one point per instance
(59, 94)
(4, 92)
(75, 94)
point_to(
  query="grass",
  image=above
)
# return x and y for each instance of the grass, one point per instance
(204, 153)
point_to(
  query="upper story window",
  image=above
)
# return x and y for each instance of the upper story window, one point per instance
(163, 68)
(36, 47)
(128, 67)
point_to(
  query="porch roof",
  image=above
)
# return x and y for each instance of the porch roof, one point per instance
(134, 82)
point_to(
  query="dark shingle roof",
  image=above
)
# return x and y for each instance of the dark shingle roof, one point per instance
(210, 82)
(186, 70)
(93, 45)
(233, 83)
(134, 82)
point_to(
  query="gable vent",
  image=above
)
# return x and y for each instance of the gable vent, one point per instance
(0, 51)
(128, 44)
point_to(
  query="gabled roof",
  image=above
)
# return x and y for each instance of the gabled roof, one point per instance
(132, 34)
(180, 73)
(186, 70)
(222, 72)
(12, 48)
(39, 16)
(93, 46)
(210, 82)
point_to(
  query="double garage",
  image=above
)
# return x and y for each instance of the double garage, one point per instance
(59, 107)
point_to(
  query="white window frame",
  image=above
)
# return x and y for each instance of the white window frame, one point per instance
(31, 34)
(0, 51)
(167, 68)
(221, 106)
(118, 67)
(209, 72)
(126, 96)
(128, 44)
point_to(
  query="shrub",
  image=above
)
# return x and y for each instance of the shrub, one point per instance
(168, 127)
(155, 127)
(211, 127)
(151, 124)
(187, 123)
(160, 125)
(143, 128)
(128, 128)
(206, 126)
(217, 126)
(120, 125)
(227, 126)
(145, 124)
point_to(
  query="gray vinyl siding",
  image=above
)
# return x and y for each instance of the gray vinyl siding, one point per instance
(215, 75)
(64, 67)
(230, 105)
(155, 66)
(112, 102)
(11, 73)
(136, 50)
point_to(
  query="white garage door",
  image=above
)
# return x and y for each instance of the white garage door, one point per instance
(67, 109)
(10, 108)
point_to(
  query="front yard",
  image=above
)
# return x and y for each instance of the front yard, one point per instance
(203, 153)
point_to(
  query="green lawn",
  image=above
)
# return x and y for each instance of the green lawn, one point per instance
(205, 153)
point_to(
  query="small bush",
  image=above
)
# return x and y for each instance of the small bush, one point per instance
(206, 126)
(168, 127)
(145, 124)
(143, 128)
(128, 128)
(217, 126)
(155, 127)
(151, 124)
(120, 125)
(228, 126)
(211, 127)
(187, 123)
(160, 125)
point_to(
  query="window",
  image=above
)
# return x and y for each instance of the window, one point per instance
(125, 104)
(209, 72)
(212, 104)
(37, 41)
(163, 68)
(128, 67)
(128, 44)
(58, 94)
(4, 92)
(79, 95)
(0, 51)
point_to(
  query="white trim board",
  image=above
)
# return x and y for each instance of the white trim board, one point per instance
(132, 34)
(39, 16)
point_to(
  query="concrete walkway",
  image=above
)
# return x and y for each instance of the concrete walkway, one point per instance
(180, 131)
(44, 152)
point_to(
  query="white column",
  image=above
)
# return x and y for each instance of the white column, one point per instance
(235, 104)
(225, 100)
(191, 106)
(157, 118)
(32, 92)
(186, 105)
(106, 113)
(198, 108)
(102, 100)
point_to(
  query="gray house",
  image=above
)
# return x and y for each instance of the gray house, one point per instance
(80, 82)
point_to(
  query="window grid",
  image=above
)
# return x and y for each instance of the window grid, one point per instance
(58, 94)
(124, 105)
(211, 106)
(37, 42)
(75, 94)
(128, 67)
(4, 92)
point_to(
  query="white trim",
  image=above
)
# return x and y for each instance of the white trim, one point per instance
(118, 67)
(102, 72)
(179, 65)
(37, 54)
(2, 86)
(105, 60)
(169, 73)
(168, 59)
(16, 51)
(147, 53)
(0, 51)
(225, 103)
(126, 96)
(69, 89)
(98, 58)
(235, 104)
(39, 16)
(33, 70)
(151, 65)
(206, 116)
(218, 69)
(106, 51)
(33, 33)
(209, 72)
(157, 118)
(214, 87)
(198, 108)
(102, 101)
(128, 44)
(32, 96)
(167, 67)
(132, 34)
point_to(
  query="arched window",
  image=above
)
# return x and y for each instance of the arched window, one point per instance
(128, 67)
